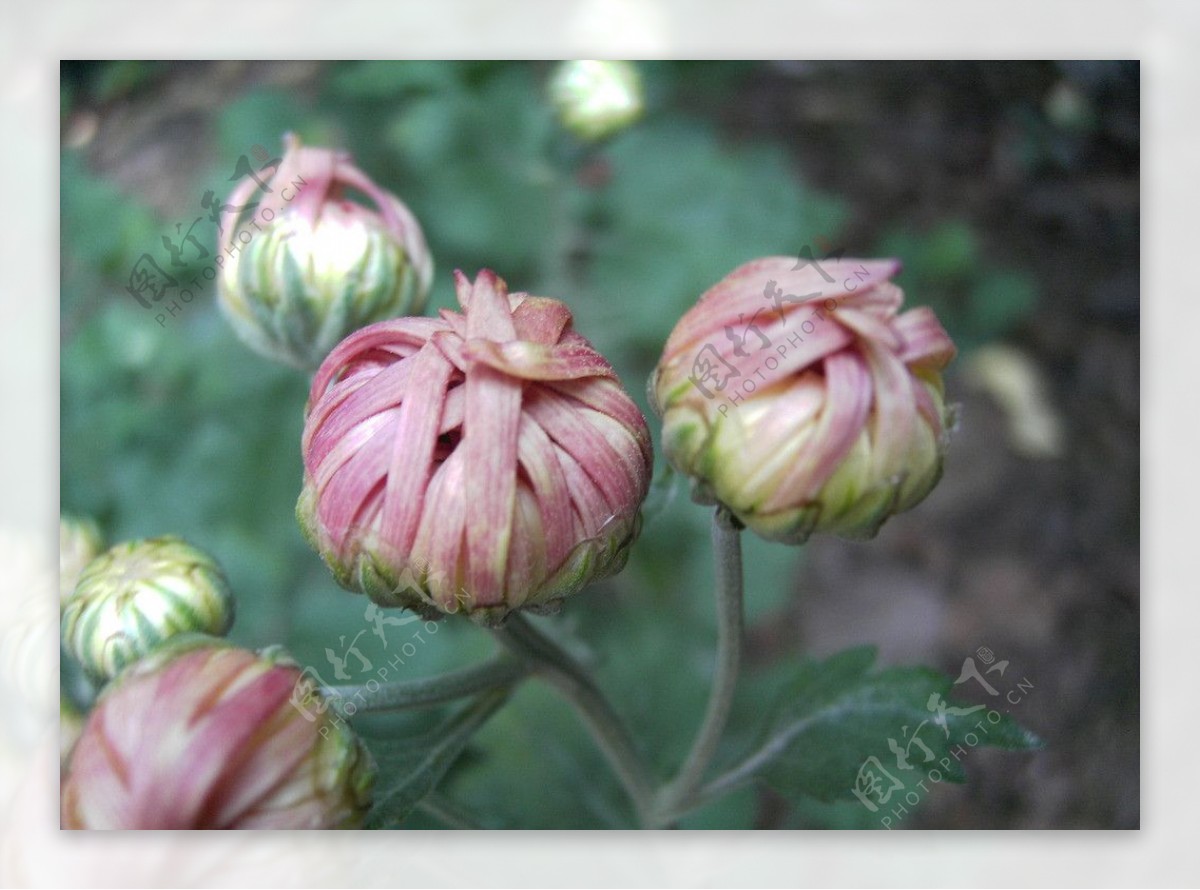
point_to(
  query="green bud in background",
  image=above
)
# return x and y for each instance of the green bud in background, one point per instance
(139, 594)
(596, 99)
(310, 266)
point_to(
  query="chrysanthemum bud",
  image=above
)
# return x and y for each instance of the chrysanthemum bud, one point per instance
(478, 462)
(202, 734)
(795, 394)
(137, 595)
(596, 98)
(309, 265)
(79, 542)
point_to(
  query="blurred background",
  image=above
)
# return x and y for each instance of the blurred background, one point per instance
(1009, 190)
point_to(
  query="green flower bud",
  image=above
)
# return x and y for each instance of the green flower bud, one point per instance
(310, 266)
(137, 595)
(596, 99)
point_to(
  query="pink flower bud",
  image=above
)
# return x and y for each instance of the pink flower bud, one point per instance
(201, 734)
(478, 462)
(802, 401)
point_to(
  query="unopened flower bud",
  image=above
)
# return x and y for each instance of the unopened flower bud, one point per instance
(308, 265)
(479, 462)
(596, 98)
(139, 594)
(79, 542)
(795, 394)
(202, 734)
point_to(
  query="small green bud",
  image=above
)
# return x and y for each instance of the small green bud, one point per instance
(595, 98)
(139, 594)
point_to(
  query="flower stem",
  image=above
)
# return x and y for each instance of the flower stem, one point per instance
(559, 668)
(501, 670)
(677, 796)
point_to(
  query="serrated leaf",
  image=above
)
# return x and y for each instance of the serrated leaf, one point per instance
(836, 715)
(412, 767)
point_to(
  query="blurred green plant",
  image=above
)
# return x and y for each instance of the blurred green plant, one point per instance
(945, 268)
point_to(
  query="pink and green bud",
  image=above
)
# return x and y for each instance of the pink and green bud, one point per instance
(79, 542)
(202, 734)
(805, 401)
(307, 265)
(596, 99)
(136, 596)
(479, 462)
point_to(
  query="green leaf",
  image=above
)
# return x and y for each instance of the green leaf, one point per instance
(414, 766)
(835, 715)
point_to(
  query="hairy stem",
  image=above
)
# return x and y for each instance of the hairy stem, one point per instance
(677, 796)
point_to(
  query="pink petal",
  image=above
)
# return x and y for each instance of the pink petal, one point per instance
(925, 342)
(845, 410)
(414, 441)
(536, 361)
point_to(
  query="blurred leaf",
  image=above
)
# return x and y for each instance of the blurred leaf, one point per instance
(476, 172)
(943, 269)
(119, 78)
(682, 210)
(411, 768)
(103, 230)
(261, 117)
(664, 489)
(1000, 301)
(836, 714)
(538, 769)
(392, 80)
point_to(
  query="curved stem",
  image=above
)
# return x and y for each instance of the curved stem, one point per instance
(739, 775)
(572, 680)
(727, 550)
(501, 670)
